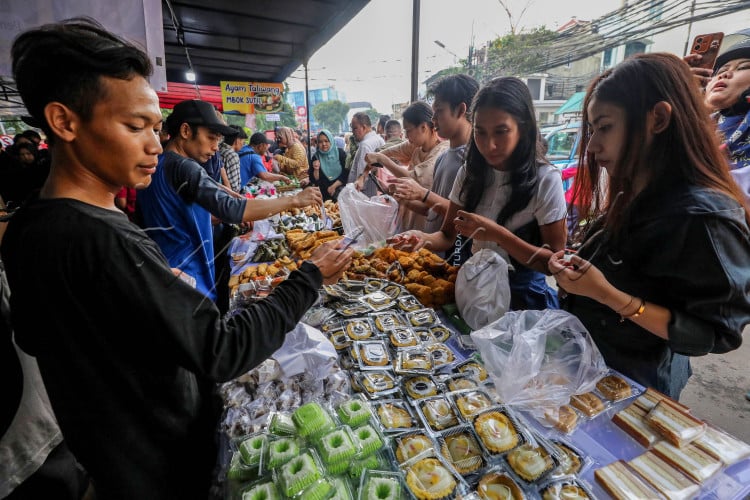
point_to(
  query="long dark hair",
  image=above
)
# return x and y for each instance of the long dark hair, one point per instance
(687, 151)
(512, 96)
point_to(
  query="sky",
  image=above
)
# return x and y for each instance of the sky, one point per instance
(370, 58)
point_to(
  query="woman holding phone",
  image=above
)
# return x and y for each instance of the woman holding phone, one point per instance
(664, 267)
(506, 196)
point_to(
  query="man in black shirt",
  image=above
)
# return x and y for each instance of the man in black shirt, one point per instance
(127, 351)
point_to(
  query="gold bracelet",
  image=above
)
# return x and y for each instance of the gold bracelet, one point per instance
(637, 313)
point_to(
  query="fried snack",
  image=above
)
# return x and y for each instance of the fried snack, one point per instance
(622, 484)
(614, 388)
(564, 420)
(678, 427)
(632, 420)
(691, 460)
(662, 476)
(589, 404)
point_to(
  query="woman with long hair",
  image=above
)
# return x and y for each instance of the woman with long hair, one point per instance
(294, 160)
(416, 157)
(506, 197)
(664, 267)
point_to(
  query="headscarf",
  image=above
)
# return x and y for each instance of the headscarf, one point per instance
(736, 134)
(288, 136)
(329, 161)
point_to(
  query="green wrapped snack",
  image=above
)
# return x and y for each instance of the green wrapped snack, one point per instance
(262, 491)
(298, 474)
(281, 451)
(282, 425)
(354, 412)
(252, 449)
(358, 466)
(368, 440)
(311, 419)
(238, 471)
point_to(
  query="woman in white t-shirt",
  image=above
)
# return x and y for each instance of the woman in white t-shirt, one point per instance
(506, 197)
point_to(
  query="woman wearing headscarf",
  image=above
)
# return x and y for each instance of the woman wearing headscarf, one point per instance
(294, 160)
(328, 170)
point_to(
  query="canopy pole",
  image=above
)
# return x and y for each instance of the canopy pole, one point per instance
(307, 112)
(415, 49)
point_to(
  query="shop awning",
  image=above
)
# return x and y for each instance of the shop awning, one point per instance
(572, 105)
(177, 92)
(262, 40)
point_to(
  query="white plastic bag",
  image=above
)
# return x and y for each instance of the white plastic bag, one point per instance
(377, 216)
(482, 289)
(306, 350)
(538, 359)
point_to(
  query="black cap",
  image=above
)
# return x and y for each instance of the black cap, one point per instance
(238, 131)
(259, 138)
(196, 112)
(740, 50)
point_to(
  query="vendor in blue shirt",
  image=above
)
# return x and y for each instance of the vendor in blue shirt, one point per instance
(251, 163)
(178, 205)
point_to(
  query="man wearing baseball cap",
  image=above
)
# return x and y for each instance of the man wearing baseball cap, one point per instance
(178, 205)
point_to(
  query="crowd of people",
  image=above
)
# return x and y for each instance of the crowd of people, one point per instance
(117, 265)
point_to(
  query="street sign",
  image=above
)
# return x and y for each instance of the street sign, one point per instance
(273, 117)
(301, 111)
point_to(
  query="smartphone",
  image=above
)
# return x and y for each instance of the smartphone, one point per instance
(707, 46)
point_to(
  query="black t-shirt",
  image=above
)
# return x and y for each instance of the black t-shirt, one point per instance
(127, 351)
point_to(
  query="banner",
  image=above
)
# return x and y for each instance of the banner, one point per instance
(252, 97)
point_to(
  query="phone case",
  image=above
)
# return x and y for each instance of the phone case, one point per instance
(708, 47)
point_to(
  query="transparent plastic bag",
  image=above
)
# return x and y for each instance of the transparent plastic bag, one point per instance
(538, 359)
(378, 216)
(483, 289)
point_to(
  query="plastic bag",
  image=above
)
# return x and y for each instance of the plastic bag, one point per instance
(306, 350)
(482, 289)
(538, 359)
(377, 216)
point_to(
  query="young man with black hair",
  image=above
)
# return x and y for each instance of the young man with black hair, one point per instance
(452, 100)
(129, 353)
(251, 159)
(178, 205)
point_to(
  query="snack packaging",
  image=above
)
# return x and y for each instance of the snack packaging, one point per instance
(437, 413)
(691, 460)
(459, 446)
(623, 484)
(676, 426)
(662, 476)
(632, 420)
(722, 446)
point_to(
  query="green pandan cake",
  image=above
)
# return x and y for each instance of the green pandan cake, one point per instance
(358, 466)
(337, 446)
(252, 449)
(320, 490)
(282, 425)
(343, 491)
(311, 419)
(238, 471)
(263, 491)
(368, 440)
(354, 412)
(281, 451)
(298, 474)
(382, 488)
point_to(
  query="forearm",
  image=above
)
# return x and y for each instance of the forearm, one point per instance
(225, 178)
(392, 167)
(262, 209)
(649, 316)
(416, 206)
(271, 177)
(439, 241)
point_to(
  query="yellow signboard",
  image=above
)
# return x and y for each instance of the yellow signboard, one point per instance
(252, 97)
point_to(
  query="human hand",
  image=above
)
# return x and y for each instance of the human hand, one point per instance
(332, 188)
(304, 183)
(407, 189)
(360, 183)
(332, 260)
(372, 158)
(308, 196)
(703, 75)
(284, 178)
(408, 241)
(579, 276)
(477, 227)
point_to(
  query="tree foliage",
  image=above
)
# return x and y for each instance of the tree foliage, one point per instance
(331, 114)
(519, 54)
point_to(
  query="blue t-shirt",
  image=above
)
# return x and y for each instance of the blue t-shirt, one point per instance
(176, 210)
(251, 164)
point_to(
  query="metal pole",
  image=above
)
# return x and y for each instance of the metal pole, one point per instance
(690, 28)
(307, 112)
(415, 50)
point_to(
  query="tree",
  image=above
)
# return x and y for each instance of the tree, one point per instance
(374, 116)
(514, 21)
(519, 54)
(331, 114)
